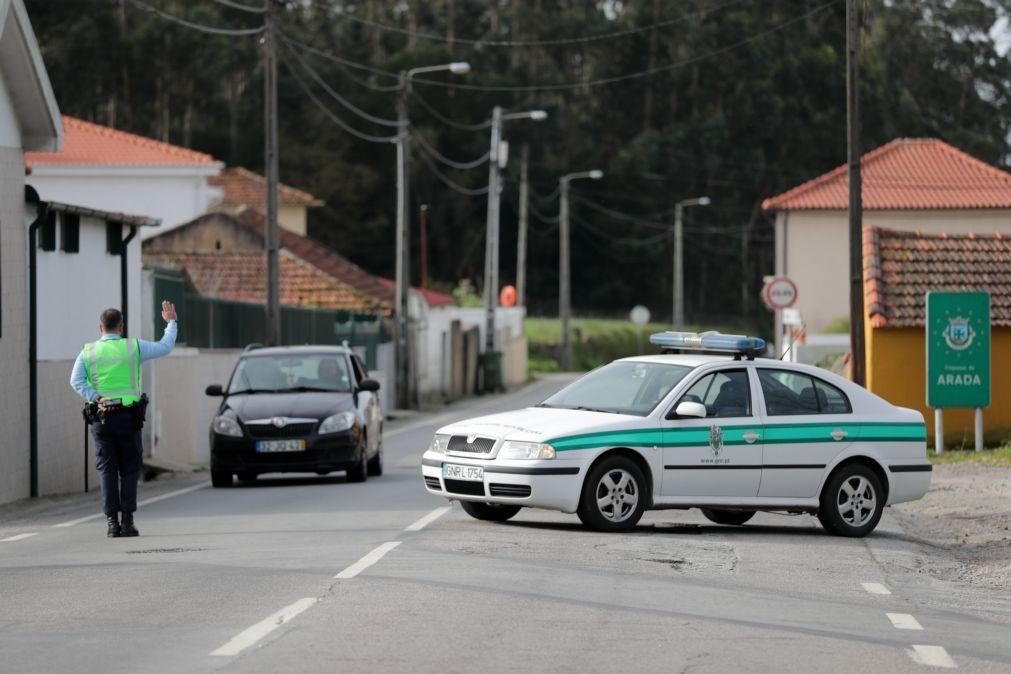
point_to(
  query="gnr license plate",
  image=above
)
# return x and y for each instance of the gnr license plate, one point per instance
(271, 446)
(454, 471)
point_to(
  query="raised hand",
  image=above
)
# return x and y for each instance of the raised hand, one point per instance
(168, 311)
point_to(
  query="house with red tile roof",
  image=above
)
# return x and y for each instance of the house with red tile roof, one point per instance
(899, 268)
(111, 170)
(909, 184)
(241, 189)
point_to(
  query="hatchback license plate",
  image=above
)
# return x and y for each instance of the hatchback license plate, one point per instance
(271, 446)
(455, 471)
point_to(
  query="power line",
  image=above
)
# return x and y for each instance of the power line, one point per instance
(546, 219)
(343, 61)
(212, 30)
(456, 187)
(446, 120)
(644, 241)
(619, 215)
(540, 43)
(241, 7)
(460, 165)
(561, 86)
(337, 120)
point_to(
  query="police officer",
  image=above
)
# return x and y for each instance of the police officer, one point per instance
(107, 375)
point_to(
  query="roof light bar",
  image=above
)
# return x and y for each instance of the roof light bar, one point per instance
(710, 341)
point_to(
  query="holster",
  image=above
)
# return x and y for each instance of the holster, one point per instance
(139, 411)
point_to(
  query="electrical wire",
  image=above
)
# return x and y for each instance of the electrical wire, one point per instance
(334, 118)
(618, 214)
(446, 120)
(541, 43)
(644, 241)
(340, 99)
(562, 86)
(342, 61)
(546, 219)
(551, 197)
(460, 165)
(242, 7)
(456, 187)
(212, 30)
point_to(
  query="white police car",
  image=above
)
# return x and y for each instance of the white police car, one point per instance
(730, 434)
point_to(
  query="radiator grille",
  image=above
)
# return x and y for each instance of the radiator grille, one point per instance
(459, 443)
(513, 490)
(465, 487)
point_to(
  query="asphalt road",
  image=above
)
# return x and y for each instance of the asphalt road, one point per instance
(318, 575)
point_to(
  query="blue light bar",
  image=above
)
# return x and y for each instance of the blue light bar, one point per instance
(710, 341)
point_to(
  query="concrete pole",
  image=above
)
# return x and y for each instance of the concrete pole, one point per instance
(403, 283)
(273, 238)
(492, 229)
(678, 314)
(978, 428)
(521, 239)
(938, 431)
(564, 293)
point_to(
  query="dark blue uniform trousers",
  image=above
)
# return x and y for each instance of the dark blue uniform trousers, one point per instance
(119, 455)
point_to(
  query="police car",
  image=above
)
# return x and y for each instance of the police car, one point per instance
(719, 429)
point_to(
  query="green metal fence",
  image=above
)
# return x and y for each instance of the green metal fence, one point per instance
(207, 322)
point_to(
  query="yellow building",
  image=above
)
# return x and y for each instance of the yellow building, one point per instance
(900, 267)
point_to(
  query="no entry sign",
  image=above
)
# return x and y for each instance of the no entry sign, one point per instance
(779, 293)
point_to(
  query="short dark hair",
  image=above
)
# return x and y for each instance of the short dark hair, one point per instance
(112, 319)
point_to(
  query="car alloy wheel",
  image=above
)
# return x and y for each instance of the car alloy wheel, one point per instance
(856, 501)
(852, 501)
(617, 495)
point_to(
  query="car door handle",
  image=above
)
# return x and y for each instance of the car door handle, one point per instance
(838, 434)
(751, 436)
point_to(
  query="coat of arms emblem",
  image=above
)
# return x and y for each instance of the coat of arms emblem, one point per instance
(716, 439)
(959, 334)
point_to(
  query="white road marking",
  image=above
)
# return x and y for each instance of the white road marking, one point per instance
(932, 656)
(876, 588)
(154, 499)
(367, 561)
(250, 636)
(904, 621)
(18, 537)
(428, 519)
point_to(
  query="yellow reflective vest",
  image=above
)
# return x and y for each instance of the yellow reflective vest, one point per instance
(113, 367)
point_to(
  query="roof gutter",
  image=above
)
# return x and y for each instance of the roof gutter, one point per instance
(124, 279)
(42, 212)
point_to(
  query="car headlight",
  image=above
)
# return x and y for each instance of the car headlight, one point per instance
(526, 450)
(440, 443)
(227, 425)
(341, 421)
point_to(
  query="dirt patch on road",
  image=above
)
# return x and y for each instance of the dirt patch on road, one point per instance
(968, 513)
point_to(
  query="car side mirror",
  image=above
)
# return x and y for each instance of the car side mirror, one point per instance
(687, 409)
(215, 390)
(368, 385)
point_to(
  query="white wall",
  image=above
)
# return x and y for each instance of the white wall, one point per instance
(172, 195)
(10, 136)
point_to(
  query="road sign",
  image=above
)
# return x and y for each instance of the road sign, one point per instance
(958, 349)
(779, 293)
(792, 317)
(639, 315)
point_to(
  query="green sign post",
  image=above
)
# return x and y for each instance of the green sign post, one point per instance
(958, 355)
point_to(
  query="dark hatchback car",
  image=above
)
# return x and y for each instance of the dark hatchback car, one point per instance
(302, 409)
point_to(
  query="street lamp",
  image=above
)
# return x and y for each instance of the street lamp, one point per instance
(403, 265)
(564, 292)
(491, 249)
(679, 272)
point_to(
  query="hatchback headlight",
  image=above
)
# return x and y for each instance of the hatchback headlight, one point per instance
(227, 425)
(341, 421)
(526, 450)
(440, 443)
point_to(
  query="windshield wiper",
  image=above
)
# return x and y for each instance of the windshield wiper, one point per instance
(252, 390)
(543, 405)
(594, 409)
(313, 389)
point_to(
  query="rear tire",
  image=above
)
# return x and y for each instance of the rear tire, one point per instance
(851, 502)
(615, 495)
(221, 478)
(360, 471)
(732, 517)
(376, 462)
(247, 477)
(489, 512)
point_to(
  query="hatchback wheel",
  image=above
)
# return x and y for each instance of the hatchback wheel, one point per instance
(360, 471)
(489, 512)
(851, 502)
(376, 462)
(614, 495)
(221, 478)
(737, 517)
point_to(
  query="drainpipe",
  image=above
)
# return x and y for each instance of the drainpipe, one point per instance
(124, 282)
(32, 197)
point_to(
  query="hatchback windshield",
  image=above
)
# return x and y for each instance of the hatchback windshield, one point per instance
(624, 387)
(305, 372)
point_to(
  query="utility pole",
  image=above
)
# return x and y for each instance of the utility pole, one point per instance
(423, 217)
(521, 238)
(855, 202)
(402, 360)
(564, 270)
(273, 239)
(678, 315)
(491, 232)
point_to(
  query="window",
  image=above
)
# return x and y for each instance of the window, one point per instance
(47, 232)
(724, 393)
(322, 372)
(113, 238)
(360, 372)
(70, 232)
(790, 393)
(622, 387)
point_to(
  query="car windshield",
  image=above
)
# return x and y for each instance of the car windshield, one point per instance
(279, 374)
(623, 387)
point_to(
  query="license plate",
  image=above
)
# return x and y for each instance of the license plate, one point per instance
(271, 446)
(457, 472)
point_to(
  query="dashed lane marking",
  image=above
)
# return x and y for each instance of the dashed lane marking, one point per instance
(18, 537)
(428, 519)
(932, 656)
(250, 636)
(904, 621)
(145, 502)
(367, 561)
(876, 588)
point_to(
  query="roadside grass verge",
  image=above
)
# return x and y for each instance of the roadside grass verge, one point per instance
(999, 456)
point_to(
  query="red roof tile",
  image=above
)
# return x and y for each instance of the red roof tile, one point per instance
(907, 173)
(85, 143)
(242, 277)
(242, 187)
(901, 267)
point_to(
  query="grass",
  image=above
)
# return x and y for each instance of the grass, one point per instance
(999, 456)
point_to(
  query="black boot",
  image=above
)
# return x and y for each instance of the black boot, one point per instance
(114, 529)
(128, 528)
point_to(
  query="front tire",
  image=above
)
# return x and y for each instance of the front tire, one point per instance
(614, 496)
(376, 462)
(360, 471)
(489, 512)
(221, 478)
(851, 502)
(732, 517)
